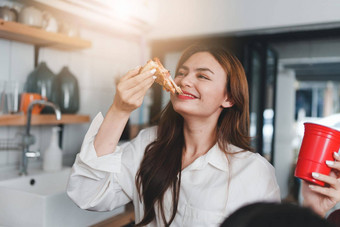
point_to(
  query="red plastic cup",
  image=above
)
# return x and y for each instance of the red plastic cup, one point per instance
(318, 144)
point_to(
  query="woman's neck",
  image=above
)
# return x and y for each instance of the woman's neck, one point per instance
(199, 138)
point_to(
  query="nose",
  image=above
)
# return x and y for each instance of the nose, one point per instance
(186, 81)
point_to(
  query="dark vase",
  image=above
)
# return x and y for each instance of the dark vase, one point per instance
(66, 91)
(40, 81)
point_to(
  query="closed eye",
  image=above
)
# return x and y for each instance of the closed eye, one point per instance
(202, 77)
(179, 74)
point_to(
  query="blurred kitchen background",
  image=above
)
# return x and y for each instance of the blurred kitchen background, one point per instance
(290, 51)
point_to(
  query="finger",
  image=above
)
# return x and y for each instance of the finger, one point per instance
(140, 80)
(136, 99)
(141, 88)
(333, 164)
(305, 185)
(331, 180)
(336, 156)
(334, 173)
(143, 76)
(129, 94)
(131, 84)
(326, 191)
(131, 73)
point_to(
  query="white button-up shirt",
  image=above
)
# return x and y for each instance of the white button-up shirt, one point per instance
(212, 187)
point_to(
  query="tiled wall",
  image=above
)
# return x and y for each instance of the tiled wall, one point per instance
(95, 68)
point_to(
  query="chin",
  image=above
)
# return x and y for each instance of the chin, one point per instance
(183, 110)
(180, 108)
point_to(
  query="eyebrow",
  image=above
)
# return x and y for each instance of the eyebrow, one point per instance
(198, 69)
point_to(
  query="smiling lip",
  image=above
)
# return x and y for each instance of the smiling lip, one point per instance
(186, 95)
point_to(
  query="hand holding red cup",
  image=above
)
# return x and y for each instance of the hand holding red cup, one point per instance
(323, 198)
(318, 146)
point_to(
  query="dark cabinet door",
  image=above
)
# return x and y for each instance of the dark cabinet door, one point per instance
(261, 68)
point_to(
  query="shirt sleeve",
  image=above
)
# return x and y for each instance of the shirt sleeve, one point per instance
(107, 182)
(334, 217)
(266, 177)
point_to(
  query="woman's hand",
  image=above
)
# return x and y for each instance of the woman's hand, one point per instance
(131, 90)
(322, 199)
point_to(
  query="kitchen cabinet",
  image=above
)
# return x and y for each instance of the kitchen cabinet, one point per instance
(41, 38)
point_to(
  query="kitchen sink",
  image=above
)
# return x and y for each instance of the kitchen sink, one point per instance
(41, 200)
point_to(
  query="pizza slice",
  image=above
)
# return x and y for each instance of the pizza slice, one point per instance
(163, 76)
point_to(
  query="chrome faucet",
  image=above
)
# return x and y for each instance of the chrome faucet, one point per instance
(29, 139)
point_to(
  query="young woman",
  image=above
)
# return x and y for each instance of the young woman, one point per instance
(195, 167)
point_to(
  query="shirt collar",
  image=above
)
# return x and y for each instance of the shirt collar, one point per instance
(217, 158)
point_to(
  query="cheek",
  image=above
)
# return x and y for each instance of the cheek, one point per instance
(214, 95)
(215, 90)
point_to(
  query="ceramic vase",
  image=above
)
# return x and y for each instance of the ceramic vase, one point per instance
(66, 91)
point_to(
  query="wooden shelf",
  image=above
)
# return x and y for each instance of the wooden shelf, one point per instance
(39, 37)
(42, 119)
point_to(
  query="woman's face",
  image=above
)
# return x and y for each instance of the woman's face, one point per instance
(203, 82)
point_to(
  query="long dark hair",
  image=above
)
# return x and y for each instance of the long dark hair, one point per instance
(161, 166)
